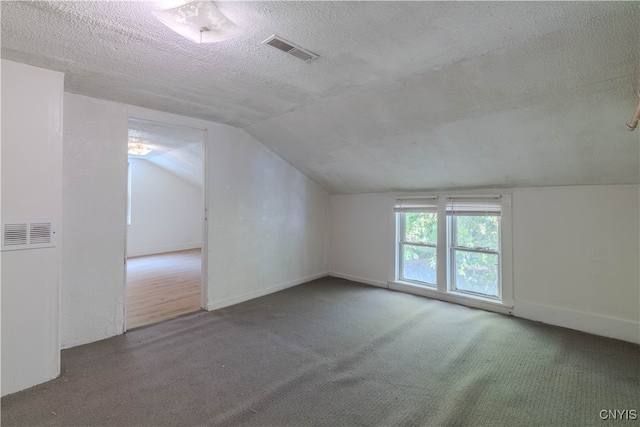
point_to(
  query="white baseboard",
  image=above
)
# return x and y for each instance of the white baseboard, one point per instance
(622, 329)
(162, 249)
(246, 297)
(612, 327)
(359, 279)
(496, 307)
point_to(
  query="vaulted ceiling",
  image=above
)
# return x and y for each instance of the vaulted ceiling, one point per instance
(177, 149)
(404, 95)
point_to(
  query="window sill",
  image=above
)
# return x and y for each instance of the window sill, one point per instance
(452, 296)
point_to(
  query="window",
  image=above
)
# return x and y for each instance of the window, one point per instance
(418, 223)
(474, 246)
(453, 246)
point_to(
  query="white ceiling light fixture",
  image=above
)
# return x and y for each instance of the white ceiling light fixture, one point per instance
(138, 149)
(199, 21)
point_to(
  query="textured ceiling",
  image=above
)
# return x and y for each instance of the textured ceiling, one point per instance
(405, 95)
(177, 149)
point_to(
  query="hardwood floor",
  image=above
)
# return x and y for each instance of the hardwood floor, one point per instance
(162, 286)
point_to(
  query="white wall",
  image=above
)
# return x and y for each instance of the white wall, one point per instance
(268, 225)
(31, 189)
(94, 214)
(360, 236)
(575, 253)
(576, 258)
(166, 211)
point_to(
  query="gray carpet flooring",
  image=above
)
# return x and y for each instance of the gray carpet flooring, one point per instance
(335, 353)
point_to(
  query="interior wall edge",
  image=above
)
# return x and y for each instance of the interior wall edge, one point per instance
(596, 324)
(94, 216)
(32, 147)
(215, 305)
(592, 323)
(359, 279)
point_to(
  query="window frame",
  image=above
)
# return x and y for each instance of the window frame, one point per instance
(444, 289)
(402, 241)
(452, 247)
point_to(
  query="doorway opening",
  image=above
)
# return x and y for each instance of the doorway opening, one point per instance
(166, 230)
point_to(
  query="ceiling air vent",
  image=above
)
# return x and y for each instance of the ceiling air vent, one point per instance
(290, 48)
(27, 235)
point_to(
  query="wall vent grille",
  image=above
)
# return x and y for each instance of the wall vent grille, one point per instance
(40, 232)
(17, 235)
(290, 48)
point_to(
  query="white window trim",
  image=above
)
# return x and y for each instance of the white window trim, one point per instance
(442, 291)
(451, 249)
(402, 224)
